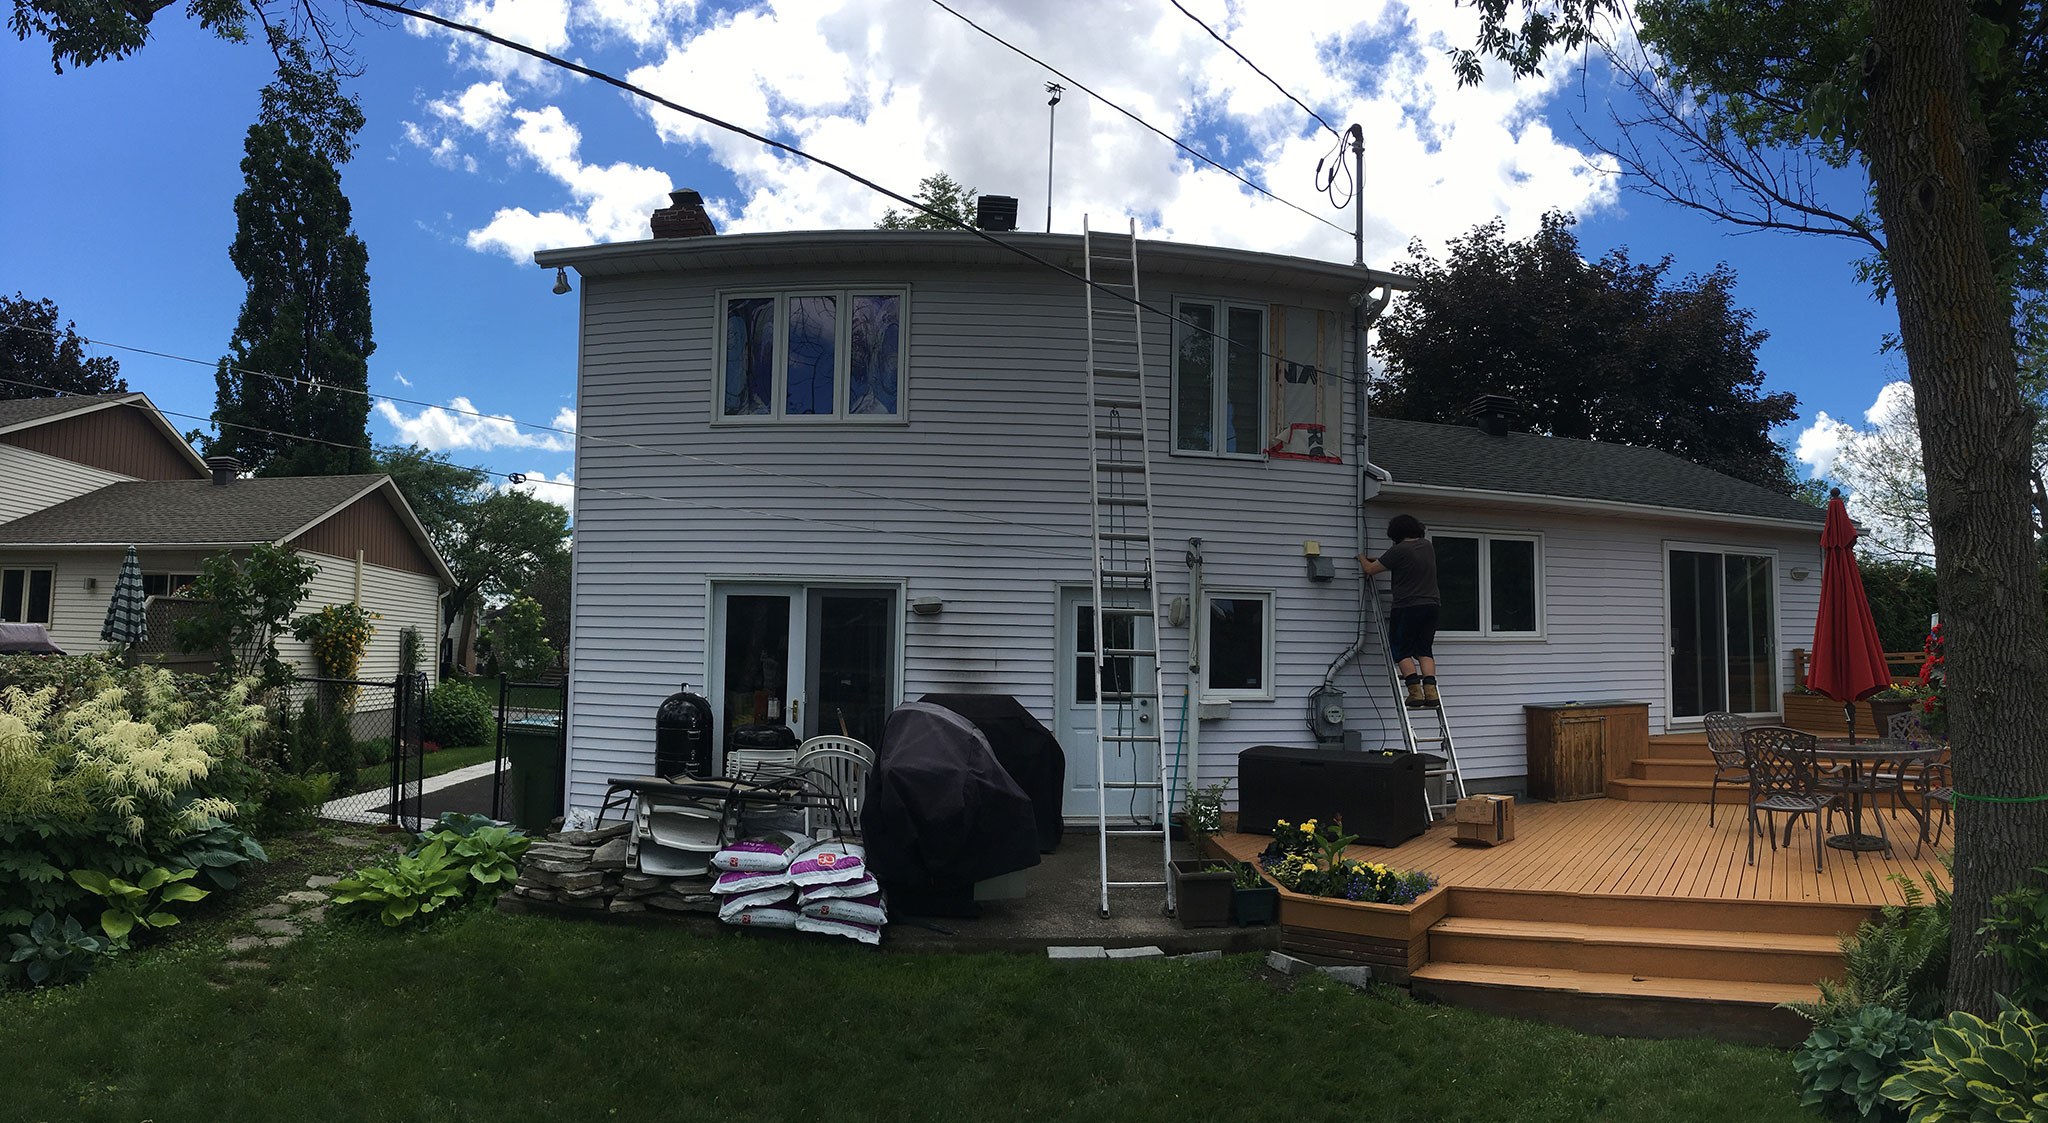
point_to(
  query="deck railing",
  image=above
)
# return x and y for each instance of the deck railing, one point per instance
(1905, 665)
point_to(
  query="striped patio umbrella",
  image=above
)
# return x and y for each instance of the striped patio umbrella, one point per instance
(126, 621)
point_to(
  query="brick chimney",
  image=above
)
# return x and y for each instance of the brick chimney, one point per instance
(684, 217)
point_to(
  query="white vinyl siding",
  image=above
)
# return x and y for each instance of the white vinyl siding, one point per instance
(31, 481)
(982, 503)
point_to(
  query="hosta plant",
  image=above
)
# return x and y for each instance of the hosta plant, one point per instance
(1977, 1070)
(1845, 1061)
(409, 887)
(218, 851)
(491, 854)
(50, 953)
(142, 903)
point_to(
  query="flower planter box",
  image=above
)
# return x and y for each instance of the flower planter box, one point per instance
(1255, 906)
(1391, 939)
(1819, 714)
(1202, 900)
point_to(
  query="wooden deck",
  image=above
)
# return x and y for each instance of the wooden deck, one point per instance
(1608, 846)
(1637, 918)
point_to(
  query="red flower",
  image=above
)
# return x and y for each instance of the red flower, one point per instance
(1927, 704)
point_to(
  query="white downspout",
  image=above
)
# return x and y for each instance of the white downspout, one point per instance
(1191, 724)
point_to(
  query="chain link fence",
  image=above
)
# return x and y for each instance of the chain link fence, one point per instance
(367, 733)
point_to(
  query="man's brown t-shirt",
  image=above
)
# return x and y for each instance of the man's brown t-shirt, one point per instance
(1413, 566)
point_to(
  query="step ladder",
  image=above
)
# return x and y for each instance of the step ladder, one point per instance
(1434, 736)
(1127, 678)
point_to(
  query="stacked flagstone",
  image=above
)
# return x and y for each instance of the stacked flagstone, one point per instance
(587, 870)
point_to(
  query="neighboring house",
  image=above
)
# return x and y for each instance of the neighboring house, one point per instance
(84, 478)
(819, 474)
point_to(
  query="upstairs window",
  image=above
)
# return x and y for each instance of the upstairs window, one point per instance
(165, 584)
(1218, 389)
(1492, 584)
(25, 595)
(811, 356)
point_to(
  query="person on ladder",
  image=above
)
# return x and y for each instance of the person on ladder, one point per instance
(1411, 628)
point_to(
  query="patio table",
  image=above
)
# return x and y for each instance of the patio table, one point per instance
(1866, 759)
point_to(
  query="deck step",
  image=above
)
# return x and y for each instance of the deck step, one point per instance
(1673, 768)
(1729, 915)
(1623, 1004)
(1692, 953)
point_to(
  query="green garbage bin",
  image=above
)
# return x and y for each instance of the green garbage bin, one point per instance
(534, 773)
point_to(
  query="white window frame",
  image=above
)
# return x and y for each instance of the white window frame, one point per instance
(842, 384)
(1265, 641)
(1218, 387)
(25, 570)
(1486, 537)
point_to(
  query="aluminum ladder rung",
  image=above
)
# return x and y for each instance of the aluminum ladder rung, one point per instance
(1117, 434)
(1123, 536)
(1134, 785)
(1114, 372)
(1130, 738)
(1126, 574)
(1129, 652)
(1119, 403)
(1126, 696)
(1119, 466)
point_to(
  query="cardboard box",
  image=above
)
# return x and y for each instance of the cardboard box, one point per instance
(1484, 820)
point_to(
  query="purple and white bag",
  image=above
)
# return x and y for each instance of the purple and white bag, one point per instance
(769, 851)
(764, 916)
(859, 910)
(829, 863)
(749, 881)
(864, 933)
(862, 886)
(733, 906)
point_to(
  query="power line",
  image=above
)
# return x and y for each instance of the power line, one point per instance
(575, 434)
(1255, 66)
(1175, 141)
(520, 477)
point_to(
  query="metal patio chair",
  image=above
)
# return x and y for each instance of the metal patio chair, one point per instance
(1784, 779)
(1931, 782)
(1731, 766)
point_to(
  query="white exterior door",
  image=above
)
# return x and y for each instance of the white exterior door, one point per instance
(1076, 709)
(757, 658)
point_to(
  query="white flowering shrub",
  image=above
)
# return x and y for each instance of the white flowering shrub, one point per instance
(108, 769)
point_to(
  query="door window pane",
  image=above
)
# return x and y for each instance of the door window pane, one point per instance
(756, 661)
(13, 584)
(749, 356)
(38, 608)
(1117, 631)
(1243, 389)
(877, 350)
(1194, 378)
(1457, 579)
(813, 352)
(1511, 581)
(855, 664)
(1237, 644)
(1751, 681)
(1697, 632)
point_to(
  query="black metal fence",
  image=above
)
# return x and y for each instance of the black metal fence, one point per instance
(530, 774)
(365, 732)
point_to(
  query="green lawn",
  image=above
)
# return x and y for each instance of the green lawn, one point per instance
(491, 1017)
(447, 760)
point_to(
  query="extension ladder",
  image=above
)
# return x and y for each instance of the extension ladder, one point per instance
(1435, 740)
(1127, 678)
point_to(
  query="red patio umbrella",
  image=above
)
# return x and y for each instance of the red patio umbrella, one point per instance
(1848, 660)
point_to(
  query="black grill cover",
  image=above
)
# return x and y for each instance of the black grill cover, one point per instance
(1027, 750)
(941, 813)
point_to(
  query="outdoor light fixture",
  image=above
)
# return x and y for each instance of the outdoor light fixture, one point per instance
(561, 281)
(91, 583)
(1799, 572)
(927, 606)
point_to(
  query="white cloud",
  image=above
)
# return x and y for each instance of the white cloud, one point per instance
(559, 489)
(400, 379)
(896, 89)
(1879, 468)
(1819, 443)
(464, 426)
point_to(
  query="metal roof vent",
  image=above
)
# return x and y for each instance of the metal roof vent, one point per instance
(995, 212)
(224, 469)
(1495, 414)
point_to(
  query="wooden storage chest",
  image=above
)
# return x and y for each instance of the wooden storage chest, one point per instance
(1574, 748)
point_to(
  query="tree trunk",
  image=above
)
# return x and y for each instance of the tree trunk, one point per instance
(1955, 320)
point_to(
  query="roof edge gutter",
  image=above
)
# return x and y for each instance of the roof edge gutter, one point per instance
(1571, 503)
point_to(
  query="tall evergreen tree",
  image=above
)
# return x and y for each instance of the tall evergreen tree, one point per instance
(39, 361)
(307, 316)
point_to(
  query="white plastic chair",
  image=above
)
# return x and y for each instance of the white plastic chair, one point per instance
(846, 762)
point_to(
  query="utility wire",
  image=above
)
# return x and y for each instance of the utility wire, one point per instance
(1175, 141)
(1255, 66)
(574, 434)
(519, 477)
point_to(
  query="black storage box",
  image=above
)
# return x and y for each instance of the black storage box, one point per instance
(1378, 796)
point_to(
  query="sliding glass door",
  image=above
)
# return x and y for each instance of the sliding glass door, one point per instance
(1724, 632)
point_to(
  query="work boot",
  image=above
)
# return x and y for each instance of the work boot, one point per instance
(1415, 696)
(1430, 698)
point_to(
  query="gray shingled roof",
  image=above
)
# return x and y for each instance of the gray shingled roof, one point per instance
(1461, 456)
(186, 512)
(14, 411)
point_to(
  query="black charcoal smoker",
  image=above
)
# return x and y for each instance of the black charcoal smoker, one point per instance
(682, 736)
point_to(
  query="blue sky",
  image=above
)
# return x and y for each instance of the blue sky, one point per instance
(116, 193)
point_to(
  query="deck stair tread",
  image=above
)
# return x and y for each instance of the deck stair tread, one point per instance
(1618, 985)
(1768, 943)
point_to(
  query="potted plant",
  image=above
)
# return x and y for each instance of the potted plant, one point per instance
(1202, 888)
(1253, 900)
